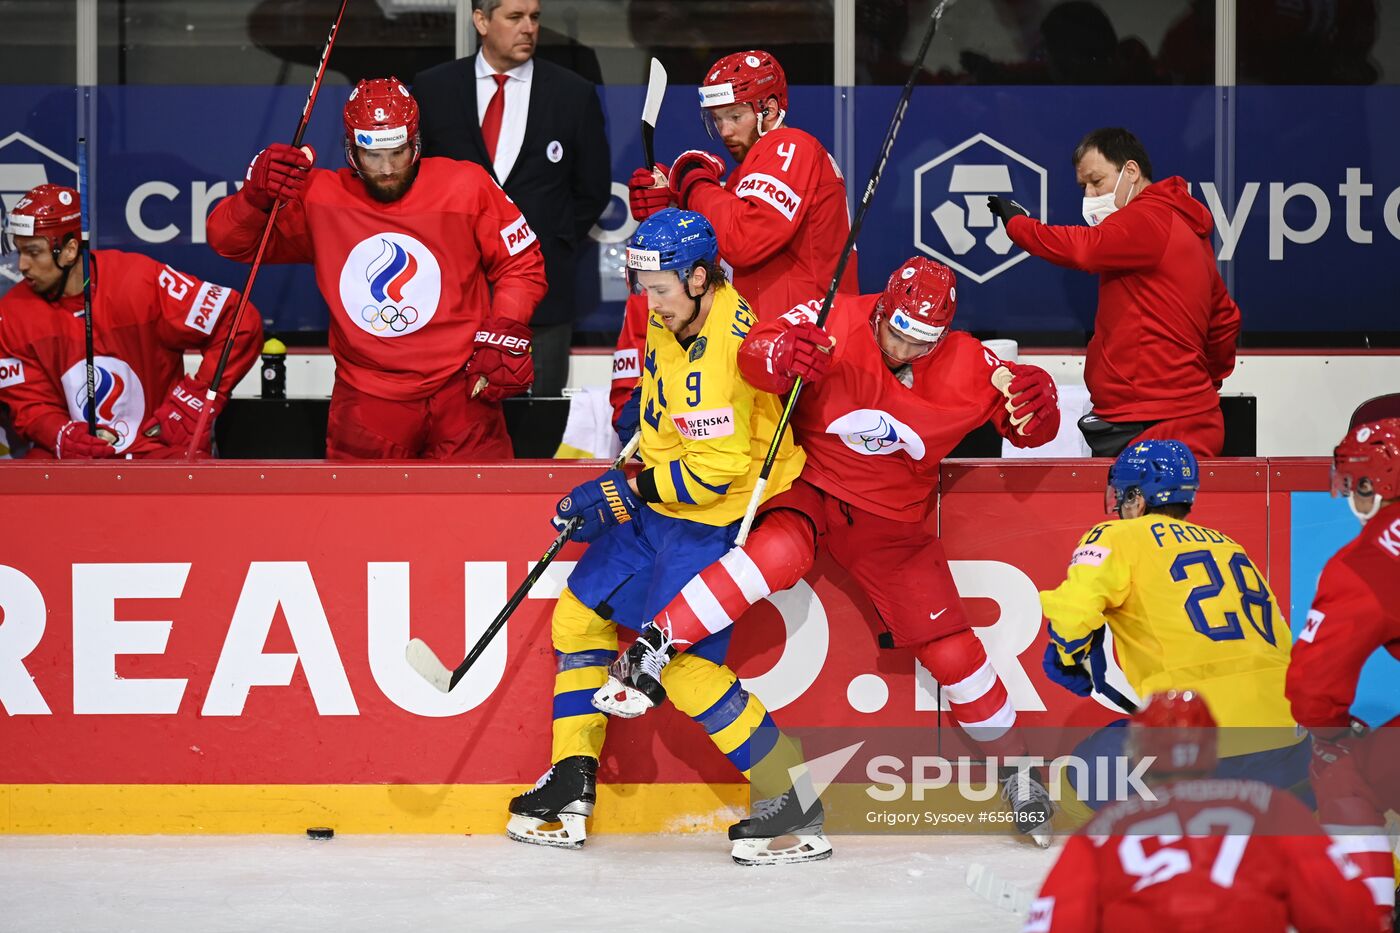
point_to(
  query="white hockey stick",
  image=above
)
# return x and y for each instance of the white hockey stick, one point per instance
(1000, 892)
(651, 108)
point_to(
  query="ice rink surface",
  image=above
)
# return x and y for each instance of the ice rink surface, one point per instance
(248, 884)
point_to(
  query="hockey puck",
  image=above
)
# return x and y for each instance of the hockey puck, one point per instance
(319, 832)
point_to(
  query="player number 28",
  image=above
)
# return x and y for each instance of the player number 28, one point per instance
(1254, 596)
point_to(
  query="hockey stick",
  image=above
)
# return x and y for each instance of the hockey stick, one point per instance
(869, 195)
(213, 392)
(426, 662)
(656, 90)
(1005, 895)
(84, 192)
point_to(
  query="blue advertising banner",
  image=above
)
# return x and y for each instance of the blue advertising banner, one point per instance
(1306, 226)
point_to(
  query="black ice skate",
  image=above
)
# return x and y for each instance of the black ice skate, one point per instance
(1030, 802)
(780, 819)
(634, 679)
(555, 813)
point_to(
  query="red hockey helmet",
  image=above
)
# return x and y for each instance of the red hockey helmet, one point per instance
(1370, 452)
(49, 211)
(380, 114)
(920, 300)
(1176, 728)
(744, 78)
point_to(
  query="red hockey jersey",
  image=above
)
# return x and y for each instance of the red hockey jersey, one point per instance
(781, 220)
(870, 440)
(145, 314)
(408, 283)
(1356, 610)
(1167, 866)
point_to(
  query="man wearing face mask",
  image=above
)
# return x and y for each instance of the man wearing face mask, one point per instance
(1165, 330)
(1354, 613)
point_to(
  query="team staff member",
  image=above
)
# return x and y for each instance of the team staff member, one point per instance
(538, 129)
(1164, 335)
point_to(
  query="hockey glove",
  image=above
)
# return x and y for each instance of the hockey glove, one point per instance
(599, 504)
(173, 423)
(75, 443)
(628, 420)
(1005, 208)
(643, 197)
(501, 365)
(278, 173)
(1073, 677)
(1031, 397)
(802, 351)
(694, 167)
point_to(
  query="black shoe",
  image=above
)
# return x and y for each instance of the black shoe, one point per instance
(565, 796)
(773, 819)
(634, 679)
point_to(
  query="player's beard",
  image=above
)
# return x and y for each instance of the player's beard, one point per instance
(387, 189)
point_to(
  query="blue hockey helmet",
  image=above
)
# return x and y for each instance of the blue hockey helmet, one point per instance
(673, 240)
(1163, 471)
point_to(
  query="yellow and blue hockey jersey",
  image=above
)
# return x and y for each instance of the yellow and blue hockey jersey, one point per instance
(1188, 610)
(705, 431)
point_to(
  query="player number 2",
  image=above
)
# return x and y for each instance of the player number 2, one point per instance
(1254, 596)
(1167, 862)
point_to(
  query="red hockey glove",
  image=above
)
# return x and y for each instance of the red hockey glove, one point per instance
(501, 364)
(1343, 793)
(644, 197)
(693, 167)
(173, 423)
(801, 351)
(278, 173)
(75, 443)
(1031, 396)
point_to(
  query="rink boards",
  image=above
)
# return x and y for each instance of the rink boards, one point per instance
(220, 648)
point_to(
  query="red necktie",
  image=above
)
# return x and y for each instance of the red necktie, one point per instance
(491, 121)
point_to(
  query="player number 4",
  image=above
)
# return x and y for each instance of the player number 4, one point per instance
(785, 152)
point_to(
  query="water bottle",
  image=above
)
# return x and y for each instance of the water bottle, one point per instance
(274, 369)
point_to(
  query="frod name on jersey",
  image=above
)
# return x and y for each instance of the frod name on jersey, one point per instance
(1185, 533)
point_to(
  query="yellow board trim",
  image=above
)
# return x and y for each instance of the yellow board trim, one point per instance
(38, 809)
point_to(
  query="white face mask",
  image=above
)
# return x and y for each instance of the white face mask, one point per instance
(1366, 516)
(1097, 208)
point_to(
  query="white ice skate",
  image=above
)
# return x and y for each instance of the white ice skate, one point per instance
(780, 832)
(634, 679)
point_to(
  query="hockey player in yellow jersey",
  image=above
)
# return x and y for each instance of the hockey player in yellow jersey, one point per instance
(1188, 609)
(704, 435)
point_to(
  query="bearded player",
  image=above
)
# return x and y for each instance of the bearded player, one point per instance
(430, 271)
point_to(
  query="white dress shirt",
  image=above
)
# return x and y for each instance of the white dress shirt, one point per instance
(516, 110)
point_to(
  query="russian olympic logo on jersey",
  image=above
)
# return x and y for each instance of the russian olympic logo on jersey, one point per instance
(876, 433)
(390, 285)
(121, 400)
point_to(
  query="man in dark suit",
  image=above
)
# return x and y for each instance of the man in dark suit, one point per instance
(538, 129)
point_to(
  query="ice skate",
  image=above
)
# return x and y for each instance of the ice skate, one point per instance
(780, 831)
(634, 679)
(1030, 802)
(556, 811)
